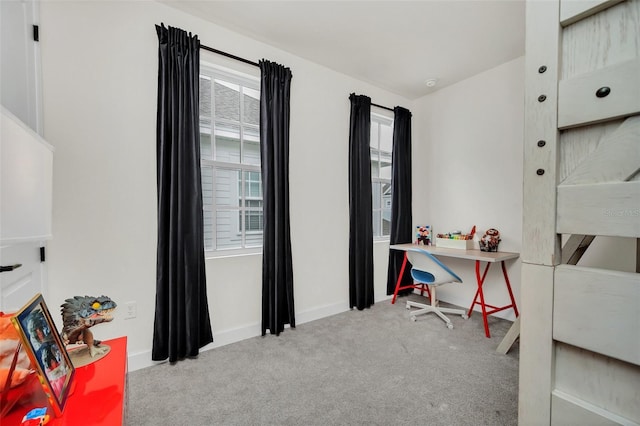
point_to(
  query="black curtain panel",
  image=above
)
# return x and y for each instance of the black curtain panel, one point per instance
(182, 324)
(401, 219)
(360, 212)
(277, 269)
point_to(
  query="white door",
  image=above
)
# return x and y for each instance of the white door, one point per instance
(20, 75)
(19, 285)
(26, 166)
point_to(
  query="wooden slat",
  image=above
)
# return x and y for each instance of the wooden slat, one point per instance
(595, 379)
(572, 252)
(541, 163)
(536, 345)
(509, 338)
(616, 159)
(597, 309)
(568, 410)
(575, 247)
(579, 105)
(611, 209)
(572, 10)
(578, 143)
(602, 40)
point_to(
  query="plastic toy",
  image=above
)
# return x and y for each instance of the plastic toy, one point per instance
(35, 417)
(423, 235)
(490, 240)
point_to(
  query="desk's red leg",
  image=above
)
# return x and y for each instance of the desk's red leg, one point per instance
(480, 294)
(480, 282)
(506, 280)
(395, 292)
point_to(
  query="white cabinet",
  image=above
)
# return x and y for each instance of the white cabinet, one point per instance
(26, 165)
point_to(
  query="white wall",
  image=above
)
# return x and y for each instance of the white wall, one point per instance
(99, 63)
(467, 170)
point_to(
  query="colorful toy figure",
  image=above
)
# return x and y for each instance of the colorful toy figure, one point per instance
(423, 235)
(490, 240)
(36, 417)
(79, 314)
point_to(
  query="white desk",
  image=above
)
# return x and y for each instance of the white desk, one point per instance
(476, 255)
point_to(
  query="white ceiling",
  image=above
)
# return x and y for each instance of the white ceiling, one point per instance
(394, 45)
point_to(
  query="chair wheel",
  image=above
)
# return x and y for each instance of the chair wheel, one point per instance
(465, 316)
(407, 306)
(413, 318)
(449, 326)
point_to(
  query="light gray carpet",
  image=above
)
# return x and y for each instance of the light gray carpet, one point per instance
(370, 367)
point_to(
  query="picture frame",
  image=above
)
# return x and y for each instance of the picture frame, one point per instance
(46, 350)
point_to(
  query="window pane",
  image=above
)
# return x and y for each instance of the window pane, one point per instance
(206, 152)
(376, 224)
(252, 185)
(230, 134)
(386, 195)
(205, 117)
(374, 136)
(254, 239)
(207, 200)
(208, 232)
(385, 166)
(375, 195)
(253, 220)
(386, 138)
(254, 204)
(227, 229)
(386, 208)
(375, 169)
(227, 184)
(205, 101)
(251, 153)
(251, 106)
(207, 186)
(386, 221)
(227, 100)
(227, 143)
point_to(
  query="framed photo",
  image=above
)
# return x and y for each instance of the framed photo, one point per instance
(46, 350)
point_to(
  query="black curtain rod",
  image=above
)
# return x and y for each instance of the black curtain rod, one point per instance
(383, 107)
(246, 61)
(229, 55)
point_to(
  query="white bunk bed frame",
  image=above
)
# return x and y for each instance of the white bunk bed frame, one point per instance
(580, 326)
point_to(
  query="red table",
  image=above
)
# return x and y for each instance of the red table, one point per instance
(98, 397)
(478, 256)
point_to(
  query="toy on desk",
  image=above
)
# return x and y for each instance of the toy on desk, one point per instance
(490, 240)
(423, 235)
(79, 315)
(456, 235)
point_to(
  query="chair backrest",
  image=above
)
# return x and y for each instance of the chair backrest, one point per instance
(428, 269)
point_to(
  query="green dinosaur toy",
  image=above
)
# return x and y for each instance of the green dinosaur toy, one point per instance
(80, 314)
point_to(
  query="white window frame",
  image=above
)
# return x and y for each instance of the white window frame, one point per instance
(378, 120)
(252, 82)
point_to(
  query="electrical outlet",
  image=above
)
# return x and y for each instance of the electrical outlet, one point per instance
(130, 310)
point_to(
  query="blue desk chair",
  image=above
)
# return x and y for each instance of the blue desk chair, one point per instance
(427, 269)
